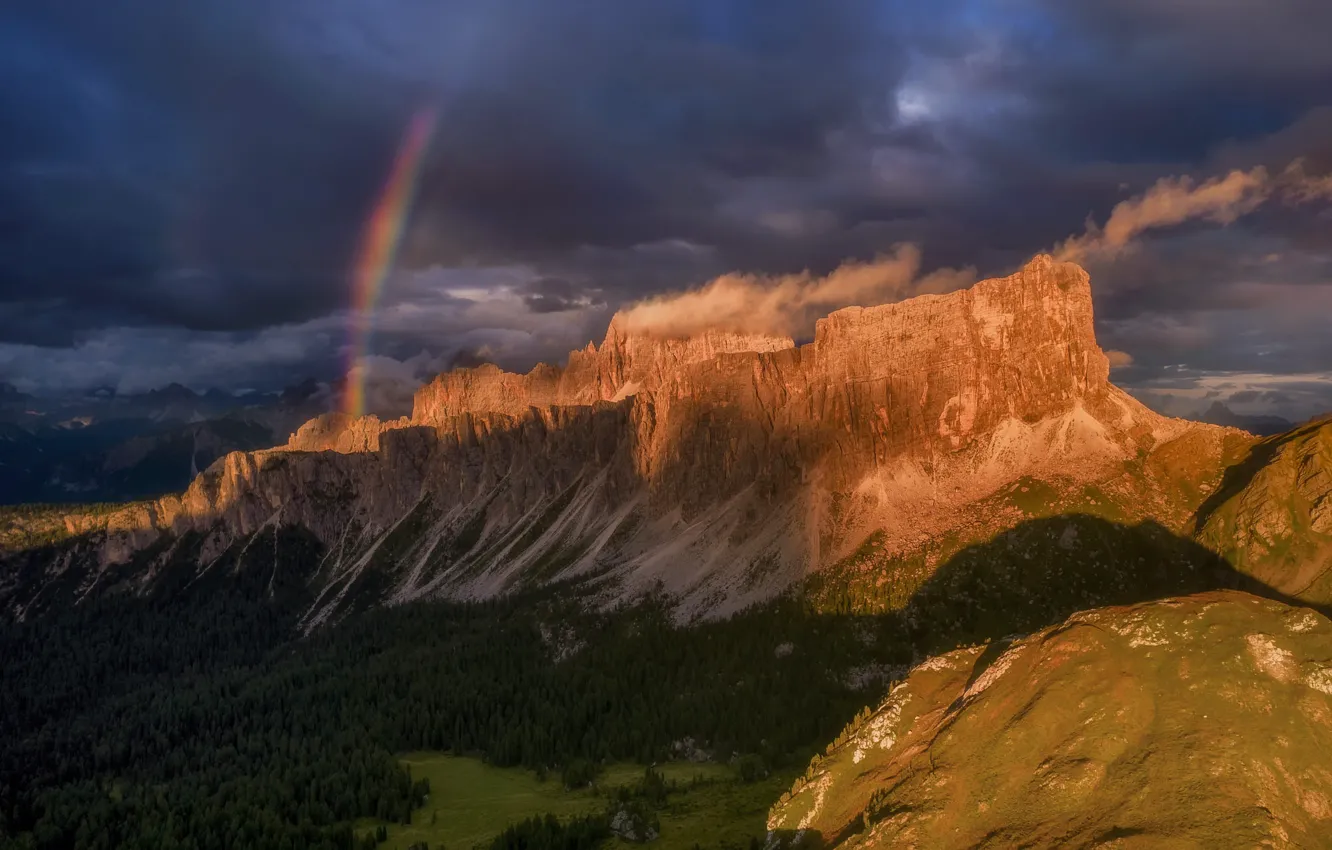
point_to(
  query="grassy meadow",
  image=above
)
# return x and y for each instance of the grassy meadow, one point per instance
(471, 802)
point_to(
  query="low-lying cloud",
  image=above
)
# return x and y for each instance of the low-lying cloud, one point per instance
(788, 305)
(1119, 359)
(1295, 396)
(1302, 188)
(390, 384)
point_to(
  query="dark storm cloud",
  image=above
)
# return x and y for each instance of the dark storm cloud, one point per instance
(181, 181)
(209, 165)
(619, 124)
(555, 295)
(204, 170)
(1161, 80)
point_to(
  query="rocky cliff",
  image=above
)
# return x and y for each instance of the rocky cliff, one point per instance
(624, 365)
(1194, 722)
(720, 468)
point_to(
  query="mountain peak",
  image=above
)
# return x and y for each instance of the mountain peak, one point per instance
(1042, 312)
(1219, 413)
(724, 466)
(174, 389)
(1043, 261)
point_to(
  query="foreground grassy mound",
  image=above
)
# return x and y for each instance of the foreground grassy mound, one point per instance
(1202, 721)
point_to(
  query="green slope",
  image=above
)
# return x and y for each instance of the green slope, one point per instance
(1195, 722)
(1272, 517)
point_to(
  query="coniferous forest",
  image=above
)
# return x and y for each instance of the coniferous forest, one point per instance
(204, 719)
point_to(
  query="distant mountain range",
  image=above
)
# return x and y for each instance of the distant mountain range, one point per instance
(102, 446)
(1264, 426)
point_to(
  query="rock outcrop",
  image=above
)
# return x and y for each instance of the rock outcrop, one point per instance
(622, 366)
(1201, 721)
(342, 433)
(720, 468)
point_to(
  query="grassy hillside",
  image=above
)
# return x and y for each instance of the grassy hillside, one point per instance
(1272, 517)
(1197, 722)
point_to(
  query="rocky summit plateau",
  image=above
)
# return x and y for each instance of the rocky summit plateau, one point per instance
(720, 469)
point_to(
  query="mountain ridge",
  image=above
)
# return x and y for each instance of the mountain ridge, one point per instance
(721, 469)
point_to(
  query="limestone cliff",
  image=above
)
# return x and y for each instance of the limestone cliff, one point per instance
(721, 468)
(622, 366)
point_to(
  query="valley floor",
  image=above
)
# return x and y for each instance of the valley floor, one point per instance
(471, 802)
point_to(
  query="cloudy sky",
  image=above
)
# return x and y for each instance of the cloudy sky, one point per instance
(183, 186)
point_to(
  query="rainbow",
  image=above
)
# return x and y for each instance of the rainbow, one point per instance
(379, 244)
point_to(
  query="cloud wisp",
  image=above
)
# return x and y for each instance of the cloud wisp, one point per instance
(1173, 201)
(1119, 359)
(788, 305)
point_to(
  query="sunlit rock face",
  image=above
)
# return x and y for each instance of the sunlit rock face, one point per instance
(624, 365)
(723, 467)
(922, 379)
(926, 376)
(341, 432)
(1193, 722)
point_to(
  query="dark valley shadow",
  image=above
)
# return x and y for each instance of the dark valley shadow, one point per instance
(1039, 572)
